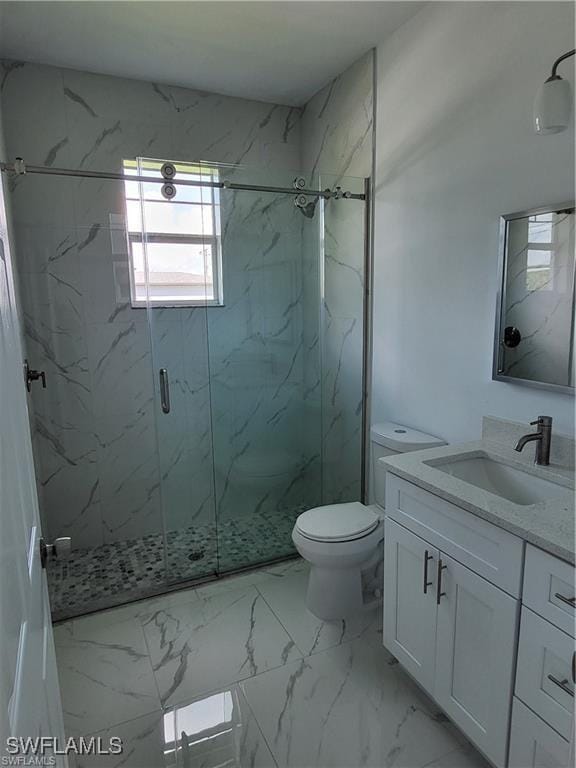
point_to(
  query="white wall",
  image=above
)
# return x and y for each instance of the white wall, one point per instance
(455, 150)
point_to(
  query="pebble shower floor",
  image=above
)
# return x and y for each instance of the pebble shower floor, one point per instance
(115, 573)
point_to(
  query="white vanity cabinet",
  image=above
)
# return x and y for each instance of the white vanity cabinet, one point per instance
(451, 609)
(542, 732)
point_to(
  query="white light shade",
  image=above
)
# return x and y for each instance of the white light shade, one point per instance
(552, 106)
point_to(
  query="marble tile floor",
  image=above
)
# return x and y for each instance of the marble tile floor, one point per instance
(98, 578)
(239, 673)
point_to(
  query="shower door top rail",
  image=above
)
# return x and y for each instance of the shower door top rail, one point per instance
(20, 168)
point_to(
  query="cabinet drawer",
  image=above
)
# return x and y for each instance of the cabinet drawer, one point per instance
(545, 655)
(533, 744)
(486, 549)
(549, 588)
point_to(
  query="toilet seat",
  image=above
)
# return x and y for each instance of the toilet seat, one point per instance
(337, 522)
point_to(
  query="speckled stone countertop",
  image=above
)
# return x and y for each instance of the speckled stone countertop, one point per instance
(548, 524)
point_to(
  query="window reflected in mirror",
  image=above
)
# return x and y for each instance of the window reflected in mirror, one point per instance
(535, 324)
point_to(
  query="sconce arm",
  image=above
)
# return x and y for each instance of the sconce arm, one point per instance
(566, 55)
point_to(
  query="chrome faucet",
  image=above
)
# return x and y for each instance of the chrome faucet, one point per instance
(543, 435)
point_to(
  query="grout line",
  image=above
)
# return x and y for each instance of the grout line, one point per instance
(159, 712)
(279, 620)
(265, 740)
(313, 652)
(149, 655)
(227, 686)
(463, 748)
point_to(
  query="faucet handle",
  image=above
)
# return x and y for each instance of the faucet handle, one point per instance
(545, 420)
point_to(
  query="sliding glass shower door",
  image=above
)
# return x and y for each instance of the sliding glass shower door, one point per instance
(235, 327)
(255, 301)
(265, 372)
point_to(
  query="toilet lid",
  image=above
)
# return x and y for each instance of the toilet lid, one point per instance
(337, 522)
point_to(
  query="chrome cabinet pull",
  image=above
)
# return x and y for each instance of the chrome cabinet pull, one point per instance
(426, 582)
(563, 684)
(164, 390)
(439, 593)
(571, 601)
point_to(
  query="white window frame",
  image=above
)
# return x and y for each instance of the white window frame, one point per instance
(546, 247)
(214, 240)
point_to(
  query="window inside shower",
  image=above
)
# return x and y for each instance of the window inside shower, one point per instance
(174, 244)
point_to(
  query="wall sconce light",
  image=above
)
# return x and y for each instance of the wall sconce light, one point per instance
(553, 103)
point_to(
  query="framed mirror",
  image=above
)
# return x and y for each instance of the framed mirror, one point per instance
(534, 337)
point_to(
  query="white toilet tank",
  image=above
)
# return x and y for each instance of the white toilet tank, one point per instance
(387, 439)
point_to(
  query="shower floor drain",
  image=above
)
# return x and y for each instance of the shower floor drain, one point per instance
(196, 555)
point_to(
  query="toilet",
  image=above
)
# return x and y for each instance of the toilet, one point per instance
(344, 542)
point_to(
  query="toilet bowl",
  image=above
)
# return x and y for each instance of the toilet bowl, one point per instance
(340, 541)
(344, 543)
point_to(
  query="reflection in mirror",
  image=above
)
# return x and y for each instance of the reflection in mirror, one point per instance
(535, 323)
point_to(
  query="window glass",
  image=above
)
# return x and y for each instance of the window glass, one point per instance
(178, 239)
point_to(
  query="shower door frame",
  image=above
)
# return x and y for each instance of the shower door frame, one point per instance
(368, 314)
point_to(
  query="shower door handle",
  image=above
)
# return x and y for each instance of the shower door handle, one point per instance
(164, 390)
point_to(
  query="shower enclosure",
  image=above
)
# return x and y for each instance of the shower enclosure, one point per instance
(201, 329)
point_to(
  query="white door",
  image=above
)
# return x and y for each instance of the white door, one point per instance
(410, 601)
(29, 692)
(474, 658)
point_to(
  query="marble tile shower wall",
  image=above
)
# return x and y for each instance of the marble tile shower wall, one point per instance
(337, 127)
(94, 429)
(104, 475)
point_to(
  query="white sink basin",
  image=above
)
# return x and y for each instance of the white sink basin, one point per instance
(502, 479)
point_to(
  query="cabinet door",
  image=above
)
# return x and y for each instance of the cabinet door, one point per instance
(533, 744)
(475, 648)
(409, 607)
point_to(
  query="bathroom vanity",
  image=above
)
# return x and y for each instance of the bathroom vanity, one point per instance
(479, 600)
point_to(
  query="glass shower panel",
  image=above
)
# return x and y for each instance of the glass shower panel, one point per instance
(342, 334)
(265, 371)
(93, 426)
(179, 259)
